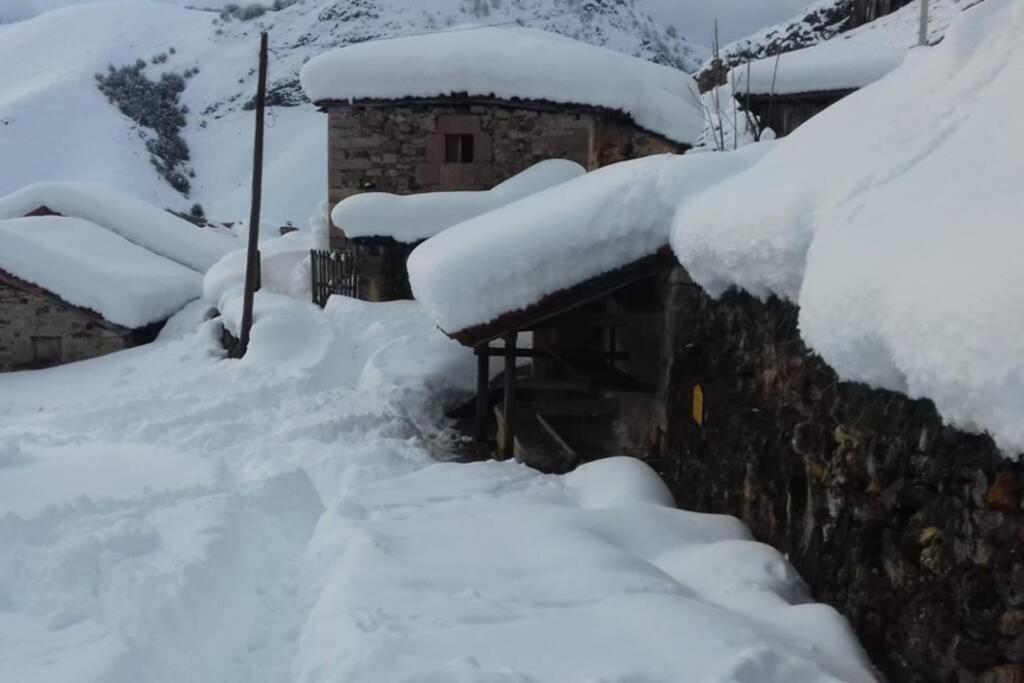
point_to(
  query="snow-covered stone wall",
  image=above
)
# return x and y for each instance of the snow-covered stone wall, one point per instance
(39, 330)
(909, 527)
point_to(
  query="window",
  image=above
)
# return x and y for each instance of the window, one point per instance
(47, 351)
(458, 149)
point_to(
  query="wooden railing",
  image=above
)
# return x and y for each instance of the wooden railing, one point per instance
(333, 272)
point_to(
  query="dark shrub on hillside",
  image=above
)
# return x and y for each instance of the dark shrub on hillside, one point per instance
(154, 105)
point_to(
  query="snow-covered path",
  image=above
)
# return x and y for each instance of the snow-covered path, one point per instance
(169, 515)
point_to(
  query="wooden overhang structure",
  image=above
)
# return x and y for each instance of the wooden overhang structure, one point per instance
(592, 371)
(784, 113)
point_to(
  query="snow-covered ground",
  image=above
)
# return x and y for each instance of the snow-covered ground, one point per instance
(170, 515)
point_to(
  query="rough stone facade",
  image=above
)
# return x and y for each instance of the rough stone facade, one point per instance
(459, 143)
(912, 529)
(39, 330)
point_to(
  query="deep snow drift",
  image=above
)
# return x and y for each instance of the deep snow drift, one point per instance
(894, 219)
(170, 515)
(511, 63)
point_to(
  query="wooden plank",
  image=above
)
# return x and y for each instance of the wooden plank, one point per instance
(508, 445)
(553, 433)
(482, 381)
(572, 298)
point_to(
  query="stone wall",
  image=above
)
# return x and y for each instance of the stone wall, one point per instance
(913, 530)
(401, 147)
(31, 321)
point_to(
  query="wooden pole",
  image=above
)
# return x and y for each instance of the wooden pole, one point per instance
(508, 444)
(922, 30)
(483, 367)
(252, 263)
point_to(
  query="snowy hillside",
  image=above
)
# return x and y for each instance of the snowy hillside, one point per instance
(54, 119)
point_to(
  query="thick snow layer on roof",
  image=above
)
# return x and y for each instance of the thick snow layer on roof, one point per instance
(850, 60)
(513, 257)
(136, 220)
(411, 218)
(833, 65)
(91, 267)
(510, 63)
(894, 220)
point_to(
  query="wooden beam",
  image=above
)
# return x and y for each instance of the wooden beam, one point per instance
(483, 378)
(508, 445)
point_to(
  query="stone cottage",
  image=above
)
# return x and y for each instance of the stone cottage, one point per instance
(71, 290)
(468, 109)
(86, 270)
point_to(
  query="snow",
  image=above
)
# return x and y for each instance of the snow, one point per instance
(54, 120)
(893, 220)
(510, 258)
(852, 59)
(411, 218)
(90, 267)
(510, 63)
(132, 218)
(290, 517)
(835, 64)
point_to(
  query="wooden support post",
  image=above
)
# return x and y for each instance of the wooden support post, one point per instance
(483, 367)
(252, 263)
(922, 29)
(508, 445)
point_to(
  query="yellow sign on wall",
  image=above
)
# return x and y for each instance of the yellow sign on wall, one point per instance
(698, 405)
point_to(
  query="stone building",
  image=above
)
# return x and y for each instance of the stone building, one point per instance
(71, 290)
(38, 329)
(491, 103)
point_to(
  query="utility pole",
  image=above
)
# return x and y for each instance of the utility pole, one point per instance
(922, 31)
(252, 261)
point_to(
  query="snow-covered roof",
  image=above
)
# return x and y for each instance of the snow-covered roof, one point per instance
(894, 219)
(509, 63)
(415, 217)
(511, 258)
(91, 267)
(833, 65)
(132, 218)
(848, 61)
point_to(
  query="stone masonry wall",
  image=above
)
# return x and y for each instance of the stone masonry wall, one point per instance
(912, 529)
(25, 313)
(400, 147)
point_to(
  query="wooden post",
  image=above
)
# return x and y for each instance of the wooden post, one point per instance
(508, 445)
(483, 367)
(252, 263)
(922, 30)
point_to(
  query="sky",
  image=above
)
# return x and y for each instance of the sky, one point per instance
(736, 18)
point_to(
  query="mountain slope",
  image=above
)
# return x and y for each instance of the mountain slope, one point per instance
(55, 121)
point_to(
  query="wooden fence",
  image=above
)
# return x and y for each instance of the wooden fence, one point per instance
(333, 272)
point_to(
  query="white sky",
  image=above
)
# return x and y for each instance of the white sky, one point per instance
(736, 18)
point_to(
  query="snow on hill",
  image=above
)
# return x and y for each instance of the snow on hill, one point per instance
(55, 121)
